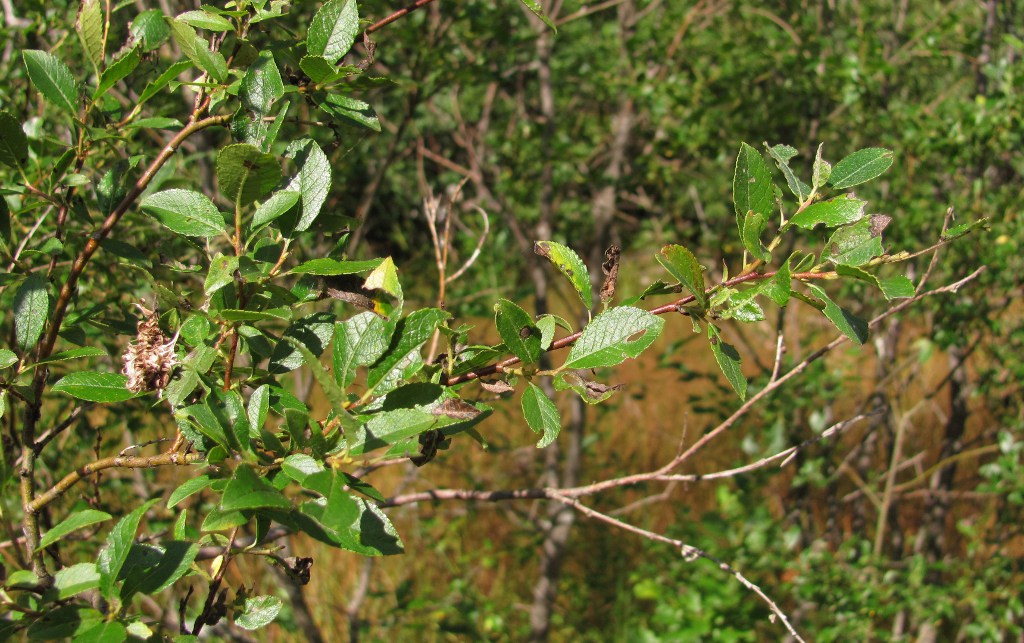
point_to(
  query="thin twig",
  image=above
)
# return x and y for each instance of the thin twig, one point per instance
(128, 462)
(689, 553)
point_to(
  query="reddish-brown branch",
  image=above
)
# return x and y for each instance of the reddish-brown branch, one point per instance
(380, 24)
(664, 473)
(67, 291)
(675, 306)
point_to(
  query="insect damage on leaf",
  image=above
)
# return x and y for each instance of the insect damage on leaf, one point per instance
(610, 268)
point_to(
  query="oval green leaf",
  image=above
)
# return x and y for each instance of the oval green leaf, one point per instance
(95, 387)
(517, 331)
(185, 212)
(246, 174)
(570, 265)
(13, 144)
(859, 167)
(31, 304)
(682, 265)
(53, 79)
(614, 336)
(541, 414)
(333, 30)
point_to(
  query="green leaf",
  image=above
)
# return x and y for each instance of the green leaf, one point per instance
(117, 70)
(313, 180)
(207, 422)
(351, 109)
(76, 579)
(259, 611)
(410, 334)
(31, 304)
(299, 466)
(217, 520)
(279, 203)
(332, 267)
(855, 328)
(5, 231)
(71, 622)
(153, 87)
(262, 85)
(318, 69)
(72, 523)
(753, 225)
(188, 488)
(7, 358)
(570, 265)
(782, 154)
(89, 26)
(538, 11)
(327, 384)
(859, 167)
(895, 287)
(53, 79)
(779, 287)
(359, 341)
(176, 558)
(94, 387)
(313, 331)
(259, 404)
(205, 20)
(546, 324)
(857, 244)
(613, 336)
(222, 273)
(729, 361)
(13, 144)
(150, 29)
(247, 490)
(541, 414)
(246, 174)
(822, 169)
(752, 186)
(110, 190)
(682, 265)
(185, 212)
(742, 307)
(119, 542)
(333, 30)
(384, 278)
(198, 51)
(841, 210)
(517, 331)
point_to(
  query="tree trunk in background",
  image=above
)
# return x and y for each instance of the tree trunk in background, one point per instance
(563, 467)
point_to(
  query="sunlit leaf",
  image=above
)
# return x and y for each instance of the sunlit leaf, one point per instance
(517, 331)
(614, 336)
(31, 304)
(333, 30)
(53, 79)
(94, 387)
(541, 414)
(570, 265)
(729, 361)
(859, 167)
(682, 265)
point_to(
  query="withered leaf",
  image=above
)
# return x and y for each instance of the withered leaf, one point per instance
(458, 409)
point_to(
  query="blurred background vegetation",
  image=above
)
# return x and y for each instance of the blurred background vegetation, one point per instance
(623, 127)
